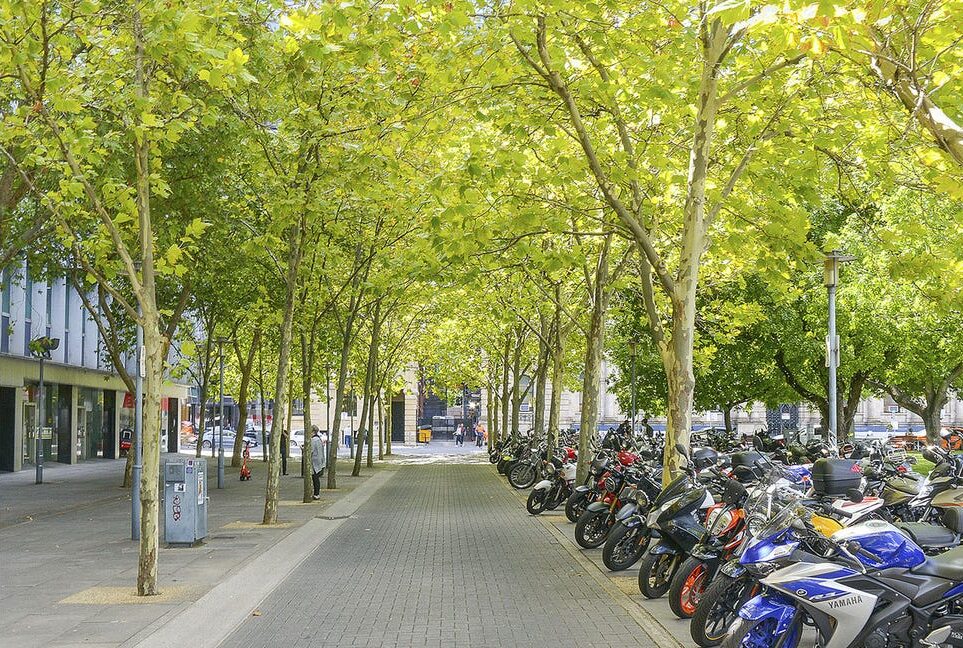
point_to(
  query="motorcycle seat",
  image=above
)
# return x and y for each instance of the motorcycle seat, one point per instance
(947, 565)
(929, 535)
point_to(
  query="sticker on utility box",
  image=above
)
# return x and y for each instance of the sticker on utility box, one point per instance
(180, 488)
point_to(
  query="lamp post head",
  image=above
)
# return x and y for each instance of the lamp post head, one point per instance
(831, 265)
(633, 348)
(42, 346)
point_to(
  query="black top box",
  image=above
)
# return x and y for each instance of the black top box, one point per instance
(833, 477)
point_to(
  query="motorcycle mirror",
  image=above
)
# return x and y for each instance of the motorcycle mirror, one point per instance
(854, 495)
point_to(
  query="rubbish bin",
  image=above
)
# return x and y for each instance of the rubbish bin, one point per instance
(185, 501)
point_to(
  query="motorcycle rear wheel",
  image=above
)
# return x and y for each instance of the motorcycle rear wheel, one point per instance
(536, 502)
(655, 574)
(623, 547)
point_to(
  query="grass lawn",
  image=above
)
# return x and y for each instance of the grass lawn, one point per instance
(922, 466)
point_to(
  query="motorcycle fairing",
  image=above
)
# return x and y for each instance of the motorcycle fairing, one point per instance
(816, 587)
(544, 485)
(770, 606)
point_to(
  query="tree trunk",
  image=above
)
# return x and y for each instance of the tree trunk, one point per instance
(592, 371)
(677, 352)
(272, 489)
(307, 466)
(517, 393)
(153, 344)
(727, 417)
(677, 360)
(541, 374)
(150, 475)
(369, 381)
(505, 386)
(381, 427)
(203, 390)
(369, 460)
(492, 417)
(591, 381)
(555, 407)
(265, 446)
(246, 368)
(389, 421)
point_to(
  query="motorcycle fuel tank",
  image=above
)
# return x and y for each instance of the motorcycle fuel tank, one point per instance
(883, 544)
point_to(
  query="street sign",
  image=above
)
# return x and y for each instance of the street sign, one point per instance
(832, 350)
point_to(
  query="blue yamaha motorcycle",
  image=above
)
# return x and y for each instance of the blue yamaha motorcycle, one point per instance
(867, 586)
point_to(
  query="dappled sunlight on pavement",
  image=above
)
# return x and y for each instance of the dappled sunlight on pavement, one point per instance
(439, 452)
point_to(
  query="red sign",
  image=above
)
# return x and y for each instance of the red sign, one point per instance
(129, 400)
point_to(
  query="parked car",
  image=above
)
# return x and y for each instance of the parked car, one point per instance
(213, 435)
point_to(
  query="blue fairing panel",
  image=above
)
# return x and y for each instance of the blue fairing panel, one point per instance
(771, 605)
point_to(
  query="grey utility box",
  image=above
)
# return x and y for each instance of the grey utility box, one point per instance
(185, 500)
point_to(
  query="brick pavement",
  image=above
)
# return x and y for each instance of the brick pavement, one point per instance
(72, 533)
(441, 556)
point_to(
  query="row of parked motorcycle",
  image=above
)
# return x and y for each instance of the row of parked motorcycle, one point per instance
(761, 550)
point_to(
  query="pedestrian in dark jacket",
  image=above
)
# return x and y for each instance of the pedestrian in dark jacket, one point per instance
(285, 448)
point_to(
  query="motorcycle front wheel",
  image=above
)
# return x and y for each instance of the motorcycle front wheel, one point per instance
(522, 475)
(623, 547)
(592, 528)
(762, 634)
(655, 574)
(719, 607)
(687, 586)
(576, 504)
(536, 502)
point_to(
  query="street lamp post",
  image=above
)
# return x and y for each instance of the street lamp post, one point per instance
(634, 351)
(40, 348)
(220, 434)
(831, 265)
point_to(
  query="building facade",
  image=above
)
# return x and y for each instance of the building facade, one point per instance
(88, 411)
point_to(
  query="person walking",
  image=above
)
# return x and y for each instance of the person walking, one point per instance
(285, 448)
(319, 460)
(479, 434)
(460, 435)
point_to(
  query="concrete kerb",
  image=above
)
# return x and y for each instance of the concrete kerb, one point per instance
(225, 606)
(649, 624)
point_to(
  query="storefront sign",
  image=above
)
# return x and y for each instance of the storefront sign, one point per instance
(46, 433)
(129, 400)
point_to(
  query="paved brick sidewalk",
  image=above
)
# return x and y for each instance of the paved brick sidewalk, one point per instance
(60, 539)
(442, 556)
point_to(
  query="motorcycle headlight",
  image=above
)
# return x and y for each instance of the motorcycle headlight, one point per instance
(610, 484)
(640, 498)
(719, 520)
(761, 570)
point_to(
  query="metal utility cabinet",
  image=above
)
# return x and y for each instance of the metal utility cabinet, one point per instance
(185, 501)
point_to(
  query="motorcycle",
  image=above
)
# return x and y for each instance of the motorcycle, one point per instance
(872, 587)
(628, 538)
(726, 528)
(678, 523)
(594, 524)
(549, 493)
